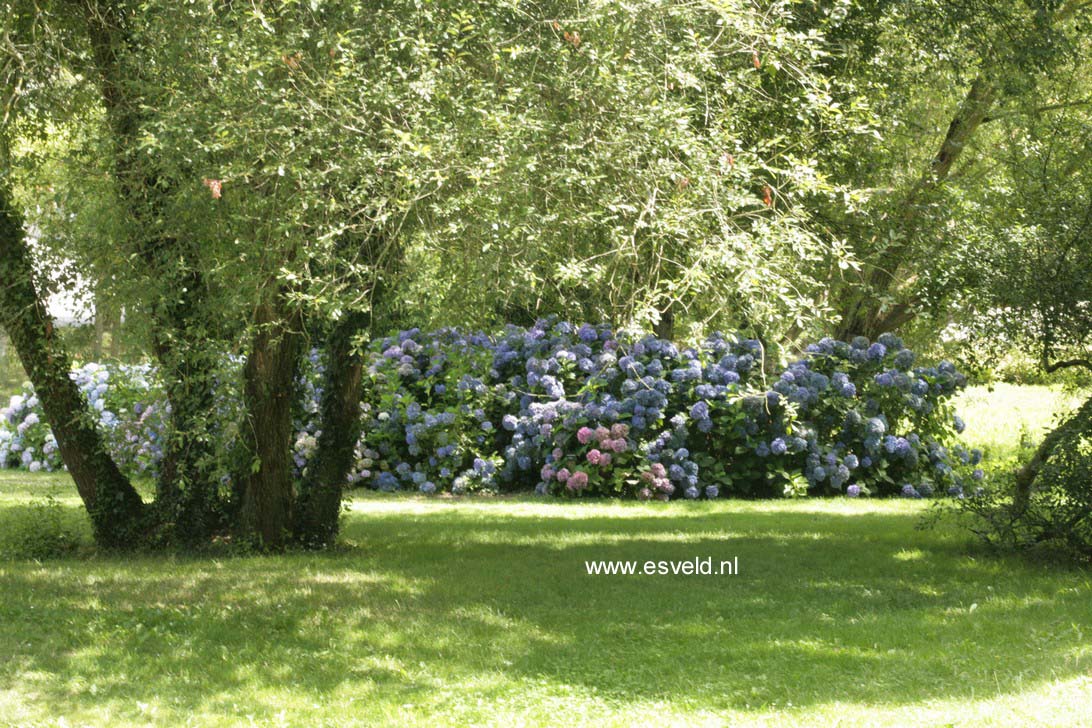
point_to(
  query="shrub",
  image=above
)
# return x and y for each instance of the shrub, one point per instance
(1058, 513)
(1061, 507)
(584, 410)
(869, 418)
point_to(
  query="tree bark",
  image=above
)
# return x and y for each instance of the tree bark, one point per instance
(319, 504)
(270, 384)
(116, 509)
(665, 327)
(186, 496)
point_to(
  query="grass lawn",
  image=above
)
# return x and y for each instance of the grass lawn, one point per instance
(1008, 419)
(480, 612)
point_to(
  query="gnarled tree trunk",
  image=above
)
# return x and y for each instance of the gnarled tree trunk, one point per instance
(320, 494)
(267, 510)
(319, 505)
(116, 509)
(187, 499)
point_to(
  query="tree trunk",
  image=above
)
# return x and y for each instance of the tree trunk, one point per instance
(320, 496)
(319, 505)
(872, 313)
(269, 386)
(115, 507)
(665, 327)
(186, 497)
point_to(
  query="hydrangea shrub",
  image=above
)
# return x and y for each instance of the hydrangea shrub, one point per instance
(129, 407)
(584, 410)
(869, 418)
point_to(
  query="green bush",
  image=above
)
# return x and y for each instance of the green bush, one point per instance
(1061, 508)
(42, 530)
(1058, 511)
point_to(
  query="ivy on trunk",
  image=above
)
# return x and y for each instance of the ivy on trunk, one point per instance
(116, 509)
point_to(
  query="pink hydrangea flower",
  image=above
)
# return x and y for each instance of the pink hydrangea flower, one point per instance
(584, 435)
(578, 481)
(563, 475)
(594, 457)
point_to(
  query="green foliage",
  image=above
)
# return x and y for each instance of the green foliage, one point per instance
(626, 174)
(1038, 289)
(44, 529)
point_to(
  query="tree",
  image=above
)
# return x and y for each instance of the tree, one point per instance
(1006, 57)
(266, 161)
(116, 510)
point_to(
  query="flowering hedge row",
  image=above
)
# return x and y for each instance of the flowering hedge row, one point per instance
(126, 403)
(572, 410)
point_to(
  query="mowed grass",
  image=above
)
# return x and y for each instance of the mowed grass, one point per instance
(480, 612)
(444, 612)
(1007, 420)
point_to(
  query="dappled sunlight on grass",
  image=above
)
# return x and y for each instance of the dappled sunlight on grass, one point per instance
(513, 507)
(481, 612)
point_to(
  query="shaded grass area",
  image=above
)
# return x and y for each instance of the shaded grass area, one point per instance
(477, 611)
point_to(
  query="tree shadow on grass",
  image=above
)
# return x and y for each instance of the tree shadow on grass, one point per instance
(826, 608)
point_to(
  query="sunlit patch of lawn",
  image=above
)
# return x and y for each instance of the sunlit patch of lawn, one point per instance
(1006, 420)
